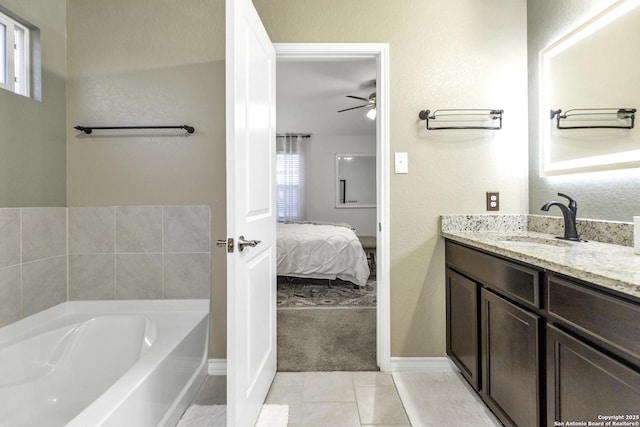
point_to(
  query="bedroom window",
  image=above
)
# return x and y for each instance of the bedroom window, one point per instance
(288, 187)
(14, 55)
(290, 176)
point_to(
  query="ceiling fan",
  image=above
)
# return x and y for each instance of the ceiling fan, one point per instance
(370, 102)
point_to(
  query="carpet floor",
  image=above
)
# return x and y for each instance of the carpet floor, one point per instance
(327, 339)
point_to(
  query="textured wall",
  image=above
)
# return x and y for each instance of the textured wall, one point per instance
(463, 54)
(610, 195)
(321, 181)
(32, 143)
(150, 62)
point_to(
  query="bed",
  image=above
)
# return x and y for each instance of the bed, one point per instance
(321, 251)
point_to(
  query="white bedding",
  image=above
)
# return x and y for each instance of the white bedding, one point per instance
(320, 251)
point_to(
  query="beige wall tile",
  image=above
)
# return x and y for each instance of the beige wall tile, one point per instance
(44, 233)
(9, 237)
(139, 276)
(92, 230)
(187, 275)
(44, 284)
(10, 295)
(138, 229)
(186, 229)
(92, 277)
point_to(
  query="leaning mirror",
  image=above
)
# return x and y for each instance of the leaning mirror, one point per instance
(589, 90)
(355, 180)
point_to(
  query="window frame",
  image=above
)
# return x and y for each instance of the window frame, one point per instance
(15, 56)
(290, 203)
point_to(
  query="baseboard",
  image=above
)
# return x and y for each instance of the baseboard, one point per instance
(217, 367)
(422, 364)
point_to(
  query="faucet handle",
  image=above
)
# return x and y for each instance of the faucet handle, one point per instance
(573, 205)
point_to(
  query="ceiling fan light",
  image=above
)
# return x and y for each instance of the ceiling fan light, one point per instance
(371, 114)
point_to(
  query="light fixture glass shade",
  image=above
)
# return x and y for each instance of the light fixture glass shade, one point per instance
(371, 114)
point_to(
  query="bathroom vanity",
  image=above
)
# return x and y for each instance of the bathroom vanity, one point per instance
(546, 331)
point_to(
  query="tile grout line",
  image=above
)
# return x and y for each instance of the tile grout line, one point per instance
(355, 396)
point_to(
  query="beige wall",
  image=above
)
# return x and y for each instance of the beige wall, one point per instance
(463, 54)
(164, 64)
(32, 153)
(150, 62)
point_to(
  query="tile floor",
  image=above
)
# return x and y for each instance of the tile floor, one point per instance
(349, 399)
(362, 399)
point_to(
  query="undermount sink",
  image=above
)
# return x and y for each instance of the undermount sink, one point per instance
(536, 240)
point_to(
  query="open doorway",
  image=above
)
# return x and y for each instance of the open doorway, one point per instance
(315, 82)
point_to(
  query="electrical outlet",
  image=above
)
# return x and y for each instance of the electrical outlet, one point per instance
(493, 201)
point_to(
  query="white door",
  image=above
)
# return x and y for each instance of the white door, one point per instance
(251, 270)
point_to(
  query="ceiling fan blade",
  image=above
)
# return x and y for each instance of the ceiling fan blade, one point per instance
(359, 106)
(358, 97)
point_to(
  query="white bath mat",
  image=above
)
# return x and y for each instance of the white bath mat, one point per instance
(216, 416)
(441, 399)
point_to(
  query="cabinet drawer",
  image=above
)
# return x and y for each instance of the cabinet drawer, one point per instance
(515, 280)
(607, 318)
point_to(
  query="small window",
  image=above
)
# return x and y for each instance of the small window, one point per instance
(288, 188)
(14, 55)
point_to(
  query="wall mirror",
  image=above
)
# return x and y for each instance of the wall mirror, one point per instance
(594, 71)
(355, 180)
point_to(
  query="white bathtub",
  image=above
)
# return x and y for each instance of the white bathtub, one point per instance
(103, 363)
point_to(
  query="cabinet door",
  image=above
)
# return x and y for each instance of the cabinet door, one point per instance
(583, 383)
(510, 378)
(462, 326)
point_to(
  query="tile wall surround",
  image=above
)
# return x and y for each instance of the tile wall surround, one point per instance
(614, 232)
(51, 255)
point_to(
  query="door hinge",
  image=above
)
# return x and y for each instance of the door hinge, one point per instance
(228, 243)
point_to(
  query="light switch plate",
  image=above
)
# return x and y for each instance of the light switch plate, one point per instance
(402, 163)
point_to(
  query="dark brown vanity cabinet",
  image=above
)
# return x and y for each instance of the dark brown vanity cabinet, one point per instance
(540, 348)
(593, 354)
(492, 332)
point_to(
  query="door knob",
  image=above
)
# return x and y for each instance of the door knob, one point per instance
(242, 243)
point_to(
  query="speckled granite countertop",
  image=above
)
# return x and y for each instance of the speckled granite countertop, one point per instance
(610, 266)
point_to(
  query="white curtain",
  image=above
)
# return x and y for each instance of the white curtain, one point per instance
(290, 179)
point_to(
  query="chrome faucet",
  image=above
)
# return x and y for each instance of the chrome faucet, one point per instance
(569, 215)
